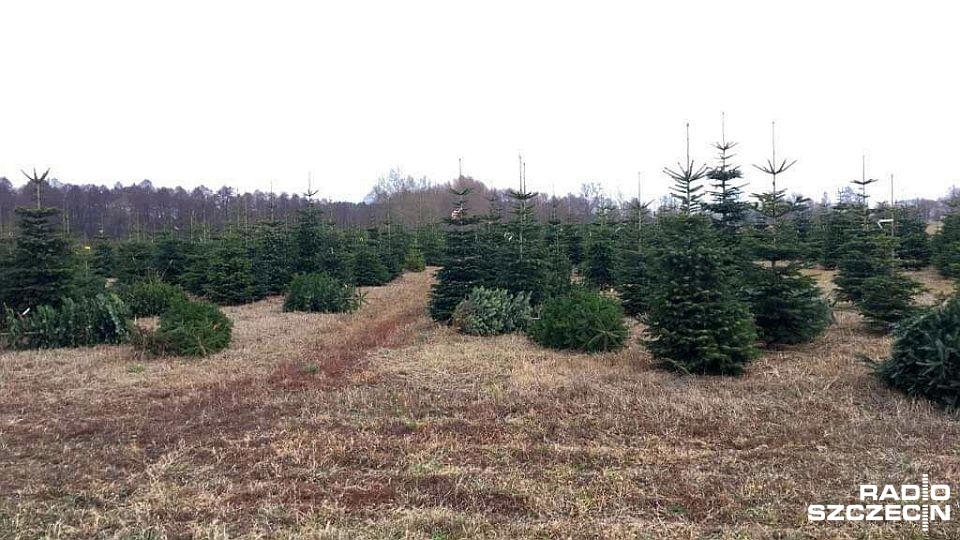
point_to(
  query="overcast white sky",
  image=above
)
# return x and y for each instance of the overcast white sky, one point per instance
(242, 93)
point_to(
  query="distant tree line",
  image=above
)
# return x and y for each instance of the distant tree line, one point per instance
(142, 210)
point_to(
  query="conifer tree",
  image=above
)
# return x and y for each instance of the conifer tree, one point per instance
(271, 258)
(102, 263)
(133, 261)
(169, 259)
(198, 265)
(308, 240)
(868, 275)
(865, 253)
(392, 243)
(461, 270)
(912, 243)
(599, 265)
(836, 227)
(633, 280)
(490, 237)
(523, 267)
(557, 260)
(230, 278)
(573, 234)
(40, 266)
(430, 240)
(6, 254)
(413, 261)
(696, 322)
(368, 269)
(788, 307)
(727, 208)
(945, 244)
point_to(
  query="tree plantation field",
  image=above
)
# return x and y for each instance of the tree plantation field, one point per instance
(382, 423)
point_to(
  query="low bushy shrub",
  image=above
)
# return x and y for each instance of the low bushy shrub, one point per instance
(582, 320)
(925, 359)
(320, 293)
(151, 298)
(189, 329)
(76, 323)
(488, 312)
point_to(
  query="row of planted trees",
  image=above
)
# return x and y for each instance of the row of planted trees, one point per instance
(715, 277)
(56, 293)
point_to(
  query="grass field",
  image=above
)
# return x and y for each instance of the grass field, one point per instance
(380, 424)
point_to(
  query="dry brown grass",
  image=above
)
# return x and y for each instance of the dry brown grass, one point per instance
(380, 424)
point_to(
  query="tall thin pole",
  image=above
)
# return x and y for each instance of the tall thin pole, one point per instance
(688, 194)
(773, 143)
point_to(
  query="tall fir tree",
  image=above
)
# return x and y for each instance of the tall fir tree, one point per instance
(461, 270)
(490, 235)
(696, 323)
(788, 307)
(866, 252)
(557, 259)
(523, 268)
(308, 239)
(727, 208)
(40, 269)
(633, 279)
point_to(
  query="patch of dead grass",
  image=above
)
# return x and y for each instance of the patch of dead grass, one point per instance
(381, 424)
